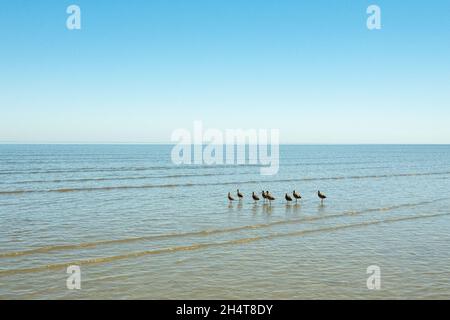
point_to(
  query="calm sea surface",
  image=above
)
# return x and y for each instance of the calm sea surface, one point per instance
(141, 227)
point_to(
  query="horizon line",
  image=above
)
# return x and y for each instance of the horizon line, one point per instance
(168, 143)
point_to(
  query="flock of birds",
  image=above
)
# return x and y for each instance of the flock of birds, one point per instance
(267, 196)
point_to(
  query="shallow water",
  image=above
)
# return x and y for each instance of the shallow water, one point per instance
(141, 227)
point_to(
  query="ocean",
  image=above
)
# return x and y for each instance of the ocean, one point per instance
(140, 227)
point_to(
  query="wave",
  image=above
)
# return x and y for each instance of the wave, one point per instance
(199, 246)
(172, 166)
(116, 178)
(152, 186)
(125, 169)
(209, 232)
(132, 178)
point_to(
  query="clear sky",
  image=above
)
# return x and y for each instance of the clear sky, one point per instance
(137, 70)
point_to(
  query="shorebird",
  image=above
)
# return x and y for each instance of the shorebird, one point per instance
(288, 198)
(269, 197)
(264, 195)
(240, 195)
(230, 198)
(321, 196)
(296, 195)
(255, 197)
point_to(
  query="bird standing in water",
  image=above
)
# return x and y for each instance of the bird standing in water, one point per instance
(269, 197)
(255, 197)
(264, 195)
(321, 196)
(230, 198)
(288, 198)
(296, 195)
(240, 195)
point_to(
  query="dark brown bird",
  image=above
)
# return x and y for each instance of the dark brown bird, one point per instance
(240, 195)
(288, 198)
(264, 195)
(255, 197)
(296, 195)
(321, 196)
(230, 197)
(269, 197)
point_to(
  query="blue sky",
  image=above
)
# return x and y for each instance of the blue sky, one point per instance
(137, 70)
